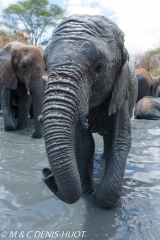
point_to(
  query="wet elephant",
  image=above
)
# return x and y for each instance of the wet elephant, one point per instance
(21, 70)
(148, 108)
(147, 85)
(92, 88)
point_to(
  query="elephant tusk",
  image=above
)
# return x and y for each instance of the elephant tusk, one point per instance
(28, 92)
(40, 118)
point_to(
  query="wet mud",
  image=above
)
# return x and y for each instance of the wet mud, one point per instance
(28, 210)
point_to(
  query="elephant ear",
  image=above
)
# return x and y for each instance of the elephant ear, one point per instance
(7, 73)
(120, 87)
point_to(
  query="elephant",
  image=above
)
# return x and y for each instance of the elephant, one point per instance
(92, 88)
(44, 83)
(147, 85)
(21, 70)
(148, 108)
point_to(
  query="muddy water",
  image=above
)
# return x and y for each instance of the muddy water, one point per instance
(28, 210)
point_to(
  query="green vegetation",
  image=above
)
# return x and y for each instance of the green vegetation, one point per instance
(6, 37)
(32, 17)
(150, 60)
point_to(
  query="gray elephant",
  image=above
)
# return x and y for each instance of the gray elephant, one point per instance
(44, 83)
(21, 70)
(92, 88)
(147, 85)
(148, 108)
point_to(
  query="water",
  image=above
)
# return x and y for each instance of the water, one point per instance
(28, 210)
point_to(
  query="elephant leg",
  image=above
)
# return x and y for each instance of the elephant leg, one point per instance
(31, 111)
(15, 112)
(23, 111)
(116, 149)
(84, 149)
(6, 108)
(14, 107)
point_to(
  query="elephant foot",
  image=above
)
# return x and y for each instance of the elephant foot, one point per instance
(10, 127)
(35, 135)
(49, 180)
(107, 198)
(21, 126)
(9, 124)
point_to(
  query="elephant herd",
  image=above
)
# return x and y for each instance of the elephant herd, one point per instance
(91, 88)
(148, 100)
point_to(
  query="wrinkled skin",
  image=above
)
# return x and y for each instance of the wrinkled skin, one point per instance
(21, 70)
(44, 83)
(147, 85)
(92, 88)
(148, 108)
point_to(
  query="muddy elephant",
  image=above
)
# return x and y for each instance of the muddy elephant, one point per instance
(147, 85)
(92, 88)
(148, 108)
(21, 70)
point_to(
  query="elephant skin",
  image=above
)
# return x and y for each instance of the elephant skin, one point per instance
(92, 88)
(148, 108)
(21, 70)
(147, 85)
(44, 83)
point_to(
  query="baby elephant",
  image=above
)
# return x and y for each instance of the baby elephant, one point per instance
(148, 108)
(91, 88)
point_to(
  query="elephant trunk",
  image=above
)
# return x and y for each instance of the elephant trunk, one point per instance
(37, 95)
(60, 116)
(9, 125)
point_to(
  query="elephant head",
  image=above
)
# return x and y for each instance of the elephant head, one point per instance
(23, 64)
(85, 60)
